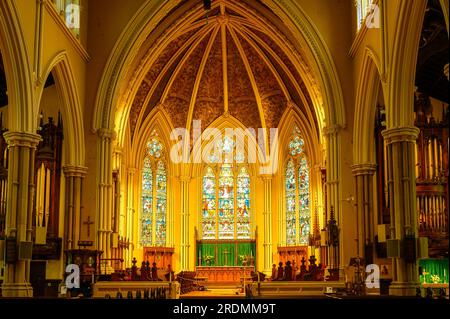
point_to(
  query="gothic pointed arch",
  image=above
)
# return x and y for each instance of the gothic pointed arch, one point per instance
(369, 89)
(324, 91)
(71, 109)
(17, 69)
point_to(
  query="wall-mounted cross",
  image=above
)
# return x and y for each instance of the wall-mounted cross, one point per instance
(88, 224)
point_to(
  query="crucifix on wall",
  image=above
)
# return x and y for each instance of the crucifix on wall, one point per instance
(88, 224)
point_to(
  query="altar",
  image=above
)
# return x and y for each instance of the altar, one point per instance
(225, 261)
(224, 274)
(227, 253)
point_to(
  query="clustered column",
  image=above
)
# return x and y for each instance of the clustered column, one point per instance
(267, 223)
(74, 176)
(333, 173)
(105, 195)
(130, 222)
(22, 149)
(400, 144)
(363, 174)
(184, 253)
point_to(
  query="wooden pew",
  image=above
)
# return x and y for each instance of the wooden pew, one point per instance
(283, 289)
(187, 281)
(111, 288)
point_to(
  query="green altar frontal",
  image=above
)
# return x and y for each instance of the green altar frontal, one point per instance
(434, 271)
(226, 253)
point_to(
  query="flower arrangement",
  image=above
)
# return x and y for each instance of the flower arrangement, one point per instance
(436, 279)
(209, 259)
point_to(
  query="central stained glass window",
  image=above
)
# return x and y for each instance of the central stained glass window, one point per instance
(154, 195)
(226, 195)
(297, 192)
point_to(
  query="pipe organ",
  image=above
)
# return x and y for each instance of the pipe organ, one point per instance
(48, 180)
(431, 170)
(432, 175)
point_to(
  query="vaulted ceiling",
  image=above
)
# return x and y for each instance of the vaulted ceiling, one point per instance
(225, 61)
(433, 54)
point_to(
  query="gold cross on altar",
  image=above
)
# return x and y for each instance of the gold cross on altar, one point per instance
(226, 253)
(88, 224)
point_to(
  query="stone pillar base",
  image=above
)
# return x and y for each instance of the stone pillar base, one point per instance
(403, 289)
(17, 290)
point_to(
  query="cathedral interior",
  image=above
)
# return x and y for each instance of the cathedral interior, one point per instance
(187, 148)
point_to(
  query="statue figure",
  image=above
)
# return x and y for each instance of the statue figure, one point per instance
(288, 271)
(154, 272)
(332, 230)
(274, 272)
(333, 233)
(280, 271)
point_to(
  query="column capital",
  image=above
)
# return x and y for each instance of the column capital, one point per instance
(22, 139)
(184, 178)
(319, 167)
(131, 170)
(118, 149)
(106, 133)
(74, 171)
(332, 129)
(363, 169)
(400, 134)
(266, 177)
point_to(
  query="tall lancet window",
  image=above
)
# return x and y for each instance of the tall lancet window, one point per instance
(226, 195)
(297, 192)
(154, 195)
(363, 8)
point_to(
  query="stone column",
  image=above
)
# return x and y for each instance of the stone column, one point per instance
(400, 143)
(184, 252)
(333, 189)
(363, 174)
(130, 218)
(74, 176)
(105, 195)
(267, 213)
(22, 149)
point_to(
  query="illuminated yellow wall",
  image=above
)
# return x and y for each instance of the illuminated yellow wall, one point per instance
(81, 64)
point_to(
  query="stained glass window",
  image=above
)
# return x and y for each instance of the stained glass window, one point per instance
(226, 195)
(297, 193)
(226, 202)
(209, 205)
(154, 196)
(243, 204)
(161, 204)
(303, 200)
(363, 8)
(290, 204)
(147, 203)
(154, 148)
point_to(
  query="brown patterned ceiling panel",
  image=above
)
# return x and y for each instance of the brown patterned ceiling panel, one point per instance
(179, 97)
(209, 103)
(274, 107)
(242, 102)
